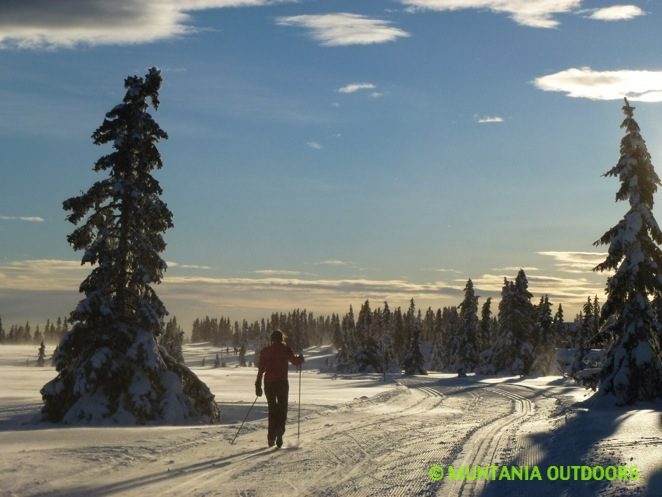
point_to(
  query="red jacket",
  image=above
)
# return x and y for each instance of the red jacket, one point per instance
(273, 362)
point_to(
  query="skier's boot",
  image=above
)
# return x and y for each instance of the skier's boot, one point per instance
(279, 441)
(270, 441)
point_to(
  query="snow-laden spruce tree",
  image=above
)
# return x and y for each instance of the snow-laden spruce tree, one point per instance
(368, 357)
(545, 353)
(437, 348)
(347, 352)
(513, 350)
(466, 354)
(633, 368)
(583, 334)
(412, 362)
(110, 367)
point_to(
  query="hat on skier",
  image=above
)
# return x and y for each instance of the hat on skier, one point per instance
(277, 336)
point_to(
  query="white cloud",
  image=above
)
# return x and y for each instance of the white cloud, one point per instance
(565, 290)
(314, 145)
(575, 262)
(376, 94)
(515, 269)
(617, 13)
(440, 270)
(584, 82)
(33, 24)
(533, 13)
(172, 264)
(354, 87)
(28, 219)
(344, 29)
(333, 262)
(488, 119)
(278, 272)
(42, 274)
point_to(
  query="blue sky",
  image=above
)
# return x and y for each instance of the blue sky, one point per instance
(325, 152)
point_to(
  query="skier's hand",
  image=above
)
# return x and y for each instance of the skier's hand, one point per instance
(258, 389)
(302, 359)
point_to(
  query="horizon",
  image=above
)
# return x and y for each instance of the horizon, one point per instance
(321, 154)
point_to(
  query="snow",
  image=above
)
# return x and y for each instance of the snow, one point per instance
(360, 436)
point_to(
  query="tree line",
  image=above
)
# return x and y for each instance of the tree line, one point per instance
(51, 333)
(302, 328)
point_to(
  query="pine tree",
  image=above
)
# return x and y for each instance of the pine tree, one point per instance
(583, 337)
(48, 335)
(37, 337)
(347, 353)
(558, 328)
(485, 334)
(466, 355)
(437, 354)
(513, 349)
(545, 352)
(110, 367)
(41, 357)
(596, 315)
(368, 358)
(172, 340)
(413, 358)
(388, 362)
(633, 368)
(242, 355)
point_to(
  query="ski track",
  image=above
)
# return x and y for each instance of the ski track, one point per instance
(486, 446)
(350, 458)
(384, 446)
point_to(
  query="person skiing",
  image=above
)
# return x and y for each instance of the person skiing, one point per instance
(273, 365)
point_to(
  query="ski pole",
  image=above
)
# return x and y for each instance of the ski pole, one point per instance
(299, 415)
(242, 423)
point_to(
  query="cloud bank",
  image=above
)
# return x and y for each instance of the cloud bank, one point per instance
(31, 24)
(576, 262)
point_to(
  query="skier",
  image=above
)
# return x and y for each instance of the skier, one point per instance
(273, 365)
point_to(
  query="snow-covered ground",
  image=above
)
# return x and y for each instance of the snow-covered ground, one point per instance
(359, 436)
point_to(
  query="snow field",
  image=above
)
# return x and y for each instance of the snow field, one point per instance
(359, 437)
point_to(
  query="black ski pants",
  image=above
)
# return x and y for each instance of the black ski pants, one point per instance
(276, 393)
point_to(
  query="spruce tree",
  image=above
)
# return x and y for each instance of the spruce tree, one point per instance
(466, 354)
(347, 352)
(388, 363)
(583, 335)
(413, 359)
(633, 367)
(558, 327)
(513, 349)
(368, 358)
(172, 340)
(451, 329)
(41, 356)
(545, 352)
(485, 326)
(110, 367)
(242, 355)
